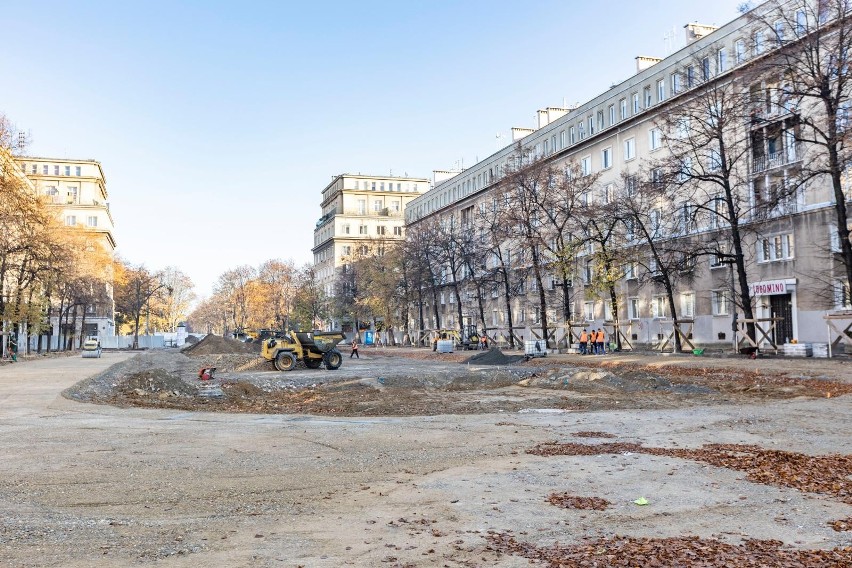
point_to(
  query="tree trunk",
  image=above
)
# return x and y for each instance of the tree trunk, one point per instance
(542, 299)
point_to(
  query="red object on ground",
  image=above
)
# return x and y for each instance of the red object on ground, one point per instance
(206, 373)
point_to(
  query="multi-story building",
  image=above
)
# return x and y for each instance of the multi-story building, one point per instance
(76, 190)
(792, 275)
(359, 212)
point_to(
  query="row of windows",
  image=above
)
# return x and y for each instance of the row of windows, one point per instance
(57, 170)
(71, 221)
(628, 106)
(378, 206)
(381, 230)
(380, 186)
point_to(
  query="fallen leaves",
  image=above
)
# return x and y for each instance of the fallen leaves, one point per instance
(593, 434)
(568, 501)
(829, 474)
(842, 525)
(684, 552)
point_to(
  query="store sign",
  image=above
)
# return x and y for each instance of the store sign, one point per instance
(768, 288)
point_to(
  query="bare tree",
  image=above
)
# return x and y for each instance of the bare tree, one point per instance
(812, 64)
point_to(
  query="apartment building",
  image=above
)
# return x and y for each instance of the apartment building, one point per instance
(76, 190)
(792, 275)
(359, 213)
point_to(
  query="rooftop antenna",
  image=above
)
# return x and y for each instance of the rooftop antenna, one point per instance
(669, 41)
(22, 142)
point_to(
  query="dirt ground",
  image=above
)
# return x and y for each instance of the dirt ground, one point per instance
(409, 458)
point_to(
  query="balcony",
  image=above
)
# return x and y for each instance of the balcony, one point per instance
(778, 159)
(374, 213)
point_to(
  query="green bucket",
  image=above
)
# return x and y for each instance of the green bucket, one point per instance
(698, 352)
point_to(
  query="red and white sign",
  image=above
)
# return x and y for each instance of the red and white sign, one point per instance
(768, 288)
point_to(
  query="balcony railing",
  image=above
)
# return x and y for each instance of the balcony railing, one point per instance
(777, 159)
(372, 213)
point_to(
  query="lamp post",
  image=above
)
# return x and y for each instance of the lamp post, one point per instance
(730, 259)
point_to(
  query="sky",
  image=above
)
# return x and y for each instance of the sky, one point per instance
(218, 124)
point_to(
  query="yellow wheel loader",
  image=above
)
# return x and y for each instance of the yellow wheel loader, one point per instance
(313, 349)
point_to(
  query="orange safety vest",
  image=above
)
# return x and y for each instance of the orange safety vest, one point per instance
(584, 337)
(601, 336)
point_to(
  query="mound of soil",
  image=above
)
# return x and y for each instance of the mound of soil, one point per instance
(157, 381)
(494, 356)
(190, 339)
(216, 344)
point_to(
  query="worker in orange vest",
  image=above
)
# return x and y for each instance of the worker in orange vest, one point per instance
(599, 342)
(584, 343)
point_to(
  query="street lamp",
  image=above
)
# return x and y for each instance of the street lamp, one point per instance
(730, 260)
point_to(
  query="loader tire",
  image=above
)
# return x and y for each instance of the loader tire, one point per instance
(333, 359)
(285, 361)
(313, 363)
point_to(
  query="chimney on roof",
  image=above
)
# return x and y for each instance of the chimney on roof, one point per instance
(696, 31)
(644, 62)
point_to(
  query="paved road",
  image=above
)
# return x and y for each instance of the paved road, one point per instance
(84, 485)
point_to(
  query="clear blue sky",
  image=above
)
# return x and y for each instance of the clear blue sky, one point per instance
(219, 123)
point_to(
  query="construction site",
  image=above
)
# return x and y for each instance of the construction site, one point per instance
(411, 457)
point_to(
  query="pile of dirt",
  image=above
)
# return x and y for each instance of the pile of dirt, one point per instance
(190, 339)
(156, 381)
(494, 356)
(216, 344)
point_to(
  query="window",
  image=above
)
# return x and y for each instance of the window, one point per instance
(657, 178)
(801, 23)
(714, 160)
(690, 76)
(658, 307)
(588, 272)
(635, 99)
(67, 170)
(661, 91)
(92, 221)
(562, 140)
(571, 135)
(35, 169)
(591, 125)
(363, 250)
(758, 42)
(687, 305)
(629, 149)
(611, 115)
(347, 250)
(377, 205)
(56, 170)
(623, 106)
(45, 170)
(601, 124)
(362, 229)
(589, 310)
(373, 186)
(655, 139)
(630, 270)
(586, 165)
(630, 185)
(397, 231)
(380, 230)
(675, 82)
(842, 297)
(346, 229)
(779, 247)
(581, 130)
(739, 51)
(780, 30)
(77, 170)
(648, 101)
(71, 220)
(606, 158)
(362, 207)
(609, 193)
(705, 69)
(633, 308)
(719, 299)
(721, 64)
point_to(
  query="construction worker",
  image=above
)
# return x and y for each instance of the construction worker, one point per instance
(599, 342)
(584, 343)
(354, 348)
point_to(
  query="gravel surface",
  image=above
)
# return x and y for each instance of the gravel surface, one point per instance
(98, 485)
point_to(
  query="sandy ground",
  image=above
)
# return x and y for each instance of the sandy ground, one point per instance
(99, 485)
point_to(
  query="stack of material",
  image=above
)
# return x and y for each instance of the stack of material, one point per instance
(445, 346)
(820, 350)
(798, 350)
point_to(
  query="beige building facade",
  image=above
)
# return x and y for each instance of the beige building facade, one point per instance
(615, 135)
(76, 190)
(358, 213)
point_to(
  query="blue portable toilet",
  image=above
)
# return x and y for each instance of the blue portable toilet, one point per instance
(368, 337)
